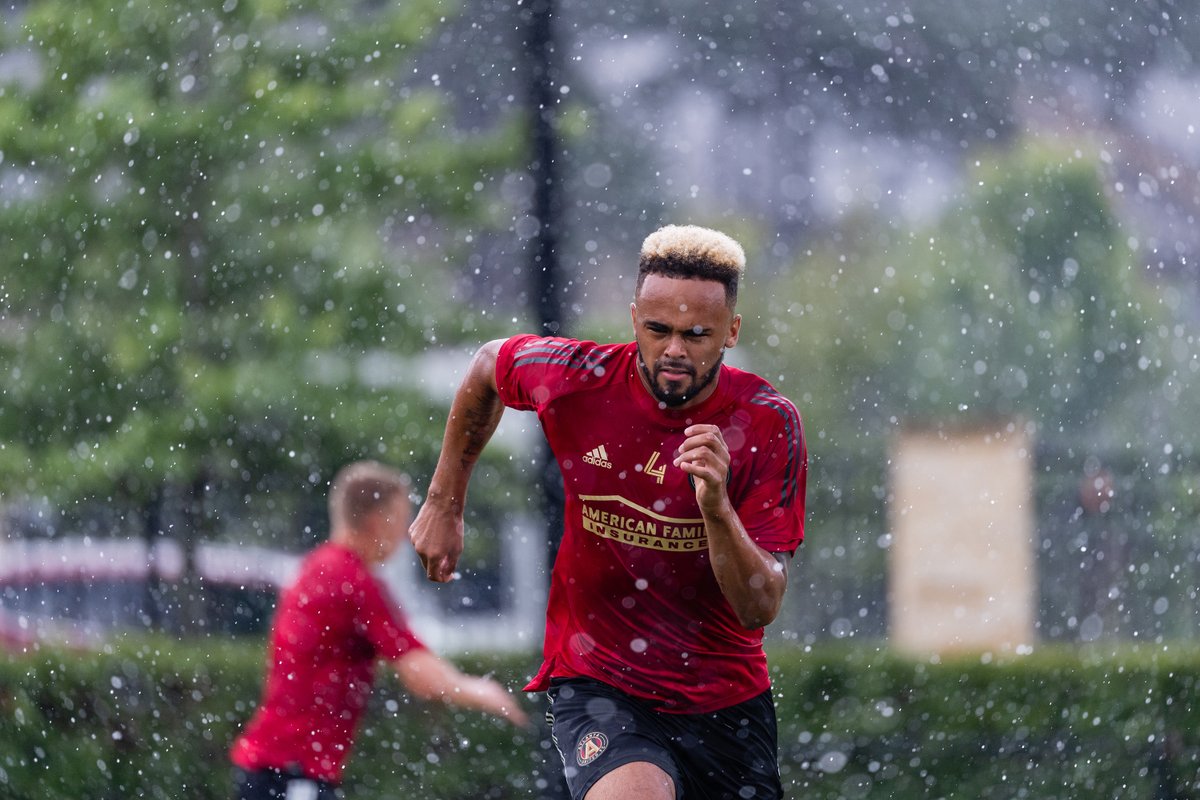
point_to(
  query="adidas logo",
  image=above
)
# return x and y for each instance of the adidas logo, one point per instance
(597, 457)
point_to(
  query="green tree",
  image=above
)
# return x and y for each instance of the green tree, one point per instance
(219, 219)
(1022, 301)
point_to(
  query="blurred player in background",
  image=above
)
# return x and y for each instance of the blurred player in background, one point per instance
(333, 624)
(684, 481)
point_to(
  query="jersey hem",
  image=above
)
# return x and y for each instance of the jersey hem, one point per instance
(541, 683)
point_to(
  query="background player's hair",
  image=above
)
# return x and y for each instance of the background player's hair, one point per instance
(689, 251)
(362, 488)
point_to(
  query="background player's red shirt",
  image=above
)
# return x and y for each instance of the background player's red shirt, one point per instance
(332, 625)
(633, 599)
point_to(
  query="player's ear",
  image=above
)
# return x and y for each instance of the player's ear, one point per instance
(734, 328)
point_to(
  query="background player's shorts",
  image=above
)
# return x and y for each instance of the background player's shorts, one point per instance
(273, 784)
(731, 754)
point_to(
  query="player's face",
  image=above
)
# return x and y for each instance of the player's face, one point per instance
(391, 527)
(682, 327)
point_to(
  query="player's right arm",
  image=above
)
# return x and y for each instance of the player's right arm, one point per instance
(437, 532)
(431, 677)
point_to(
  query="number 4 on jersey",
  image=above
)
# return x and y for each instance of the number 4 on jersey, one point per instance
(659, 472)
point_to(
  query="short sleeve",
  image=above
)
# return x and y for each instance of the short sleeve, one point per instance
(532, 371)
(772, 505)
(513, 393)
(381, 620)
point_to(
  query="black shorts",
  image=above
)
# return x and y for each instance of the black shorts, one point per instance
(275, 784)
(731, 754)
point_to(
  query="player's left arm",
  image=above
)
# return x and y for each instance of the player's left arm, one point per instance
(752, 579)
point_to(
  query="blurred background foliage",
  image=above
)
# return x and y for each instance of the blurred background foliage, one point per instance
(224, 213)
(1023, 302)
(150, 718)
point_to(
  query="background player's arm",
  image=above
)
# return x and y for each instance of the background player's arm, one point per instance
(752, 579)
(431, 677)
(437, 532)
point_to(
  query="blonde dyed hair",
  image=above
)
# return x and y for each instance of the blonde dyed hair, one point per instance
(695, 253)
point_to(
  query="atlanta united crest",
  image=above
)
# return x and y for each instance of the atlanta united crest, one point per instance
(590, 746)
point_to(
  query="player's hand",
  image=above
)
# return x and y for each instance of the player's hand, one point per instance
(501, 703)
(437, 536)
(705, 457)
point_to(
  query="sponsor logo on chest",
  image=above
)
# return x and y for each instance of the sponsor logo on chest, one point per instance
(622, 520)
(597, 457)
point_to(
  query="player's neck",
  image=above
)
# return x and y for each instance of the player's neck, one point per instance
(360, 545)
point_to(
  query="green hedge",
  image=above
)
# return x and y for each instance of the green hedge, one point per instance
(1061, 723)
(154, 719)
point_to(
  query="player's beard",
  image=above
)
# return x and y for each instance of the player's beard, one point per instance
(676, 398)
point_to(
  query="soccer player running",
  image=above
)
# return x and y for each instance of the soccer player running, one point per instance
(333, 624)
(684, 481)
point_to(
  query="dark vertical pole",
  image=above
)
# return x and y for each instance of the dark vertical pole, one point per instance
(548, 294)
(546, 285)
(152, 531)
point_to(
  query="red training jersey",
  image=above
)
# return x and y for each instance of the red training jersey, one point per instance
(333, 623)
(633, 598)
